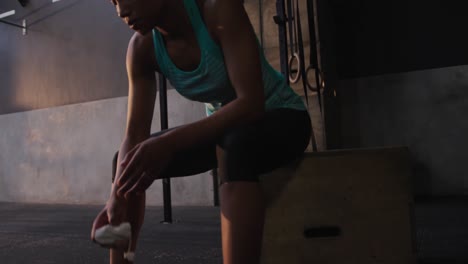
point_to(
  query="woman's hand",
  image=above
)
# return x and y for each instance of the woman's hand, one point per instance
(142, 165)
(100, 221)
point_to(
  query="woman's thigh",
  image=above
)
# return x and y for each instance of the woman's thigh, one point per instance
(192, 161)
(280, 137)
(195, 160)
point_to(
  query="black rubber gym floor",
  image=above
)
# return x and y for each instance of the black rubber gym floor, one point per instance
(46, 234)
(442, 230)
(43, 234)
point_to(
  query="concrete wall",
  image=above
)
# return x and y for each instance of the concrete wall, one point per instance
(424, 110)
(64, 154)
(74, 52)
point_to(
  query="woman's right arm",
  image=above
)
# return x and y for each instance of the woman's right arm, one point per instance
(141, 67)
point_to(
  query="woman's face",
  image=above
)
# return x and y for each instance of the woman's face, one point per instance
(139, 15)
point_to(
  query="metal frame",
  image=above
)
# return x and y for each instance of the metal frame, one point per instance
(166, 182)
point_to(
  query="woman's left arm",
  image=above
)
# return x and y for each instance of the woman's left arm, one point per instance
(234, 33)
(232, 29)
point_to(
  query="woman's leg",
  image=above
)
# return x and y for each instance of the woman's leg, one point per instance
(190, 162)
(135, 215)
(242, 218)
(244, 153)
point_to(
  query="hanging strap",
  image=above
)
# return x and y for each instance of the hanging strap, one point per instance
(280, 20)
(313, 56)
(300, 43)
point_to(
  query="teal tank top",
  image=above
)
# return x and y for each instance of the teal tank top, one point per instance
(209, 82)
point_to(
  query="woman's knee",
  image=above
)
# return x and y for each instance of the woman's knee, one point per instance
(116, 155)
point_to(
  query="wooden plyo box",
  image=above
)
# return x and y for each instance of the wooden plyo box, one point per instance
(340, 207)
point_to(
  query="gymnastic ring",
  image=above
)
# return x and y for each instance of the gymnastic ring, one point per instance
(312, 88)
(294, 57)
(321, 81)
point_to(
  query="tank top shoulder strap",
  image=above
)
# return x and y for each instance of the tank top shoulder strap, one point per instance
(198, 25)
(193, 12)
(159, 50)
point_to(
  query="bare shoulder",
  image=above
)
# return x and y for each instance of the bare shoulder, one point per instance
(220, 8)
(140, 55)
(223, 15)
